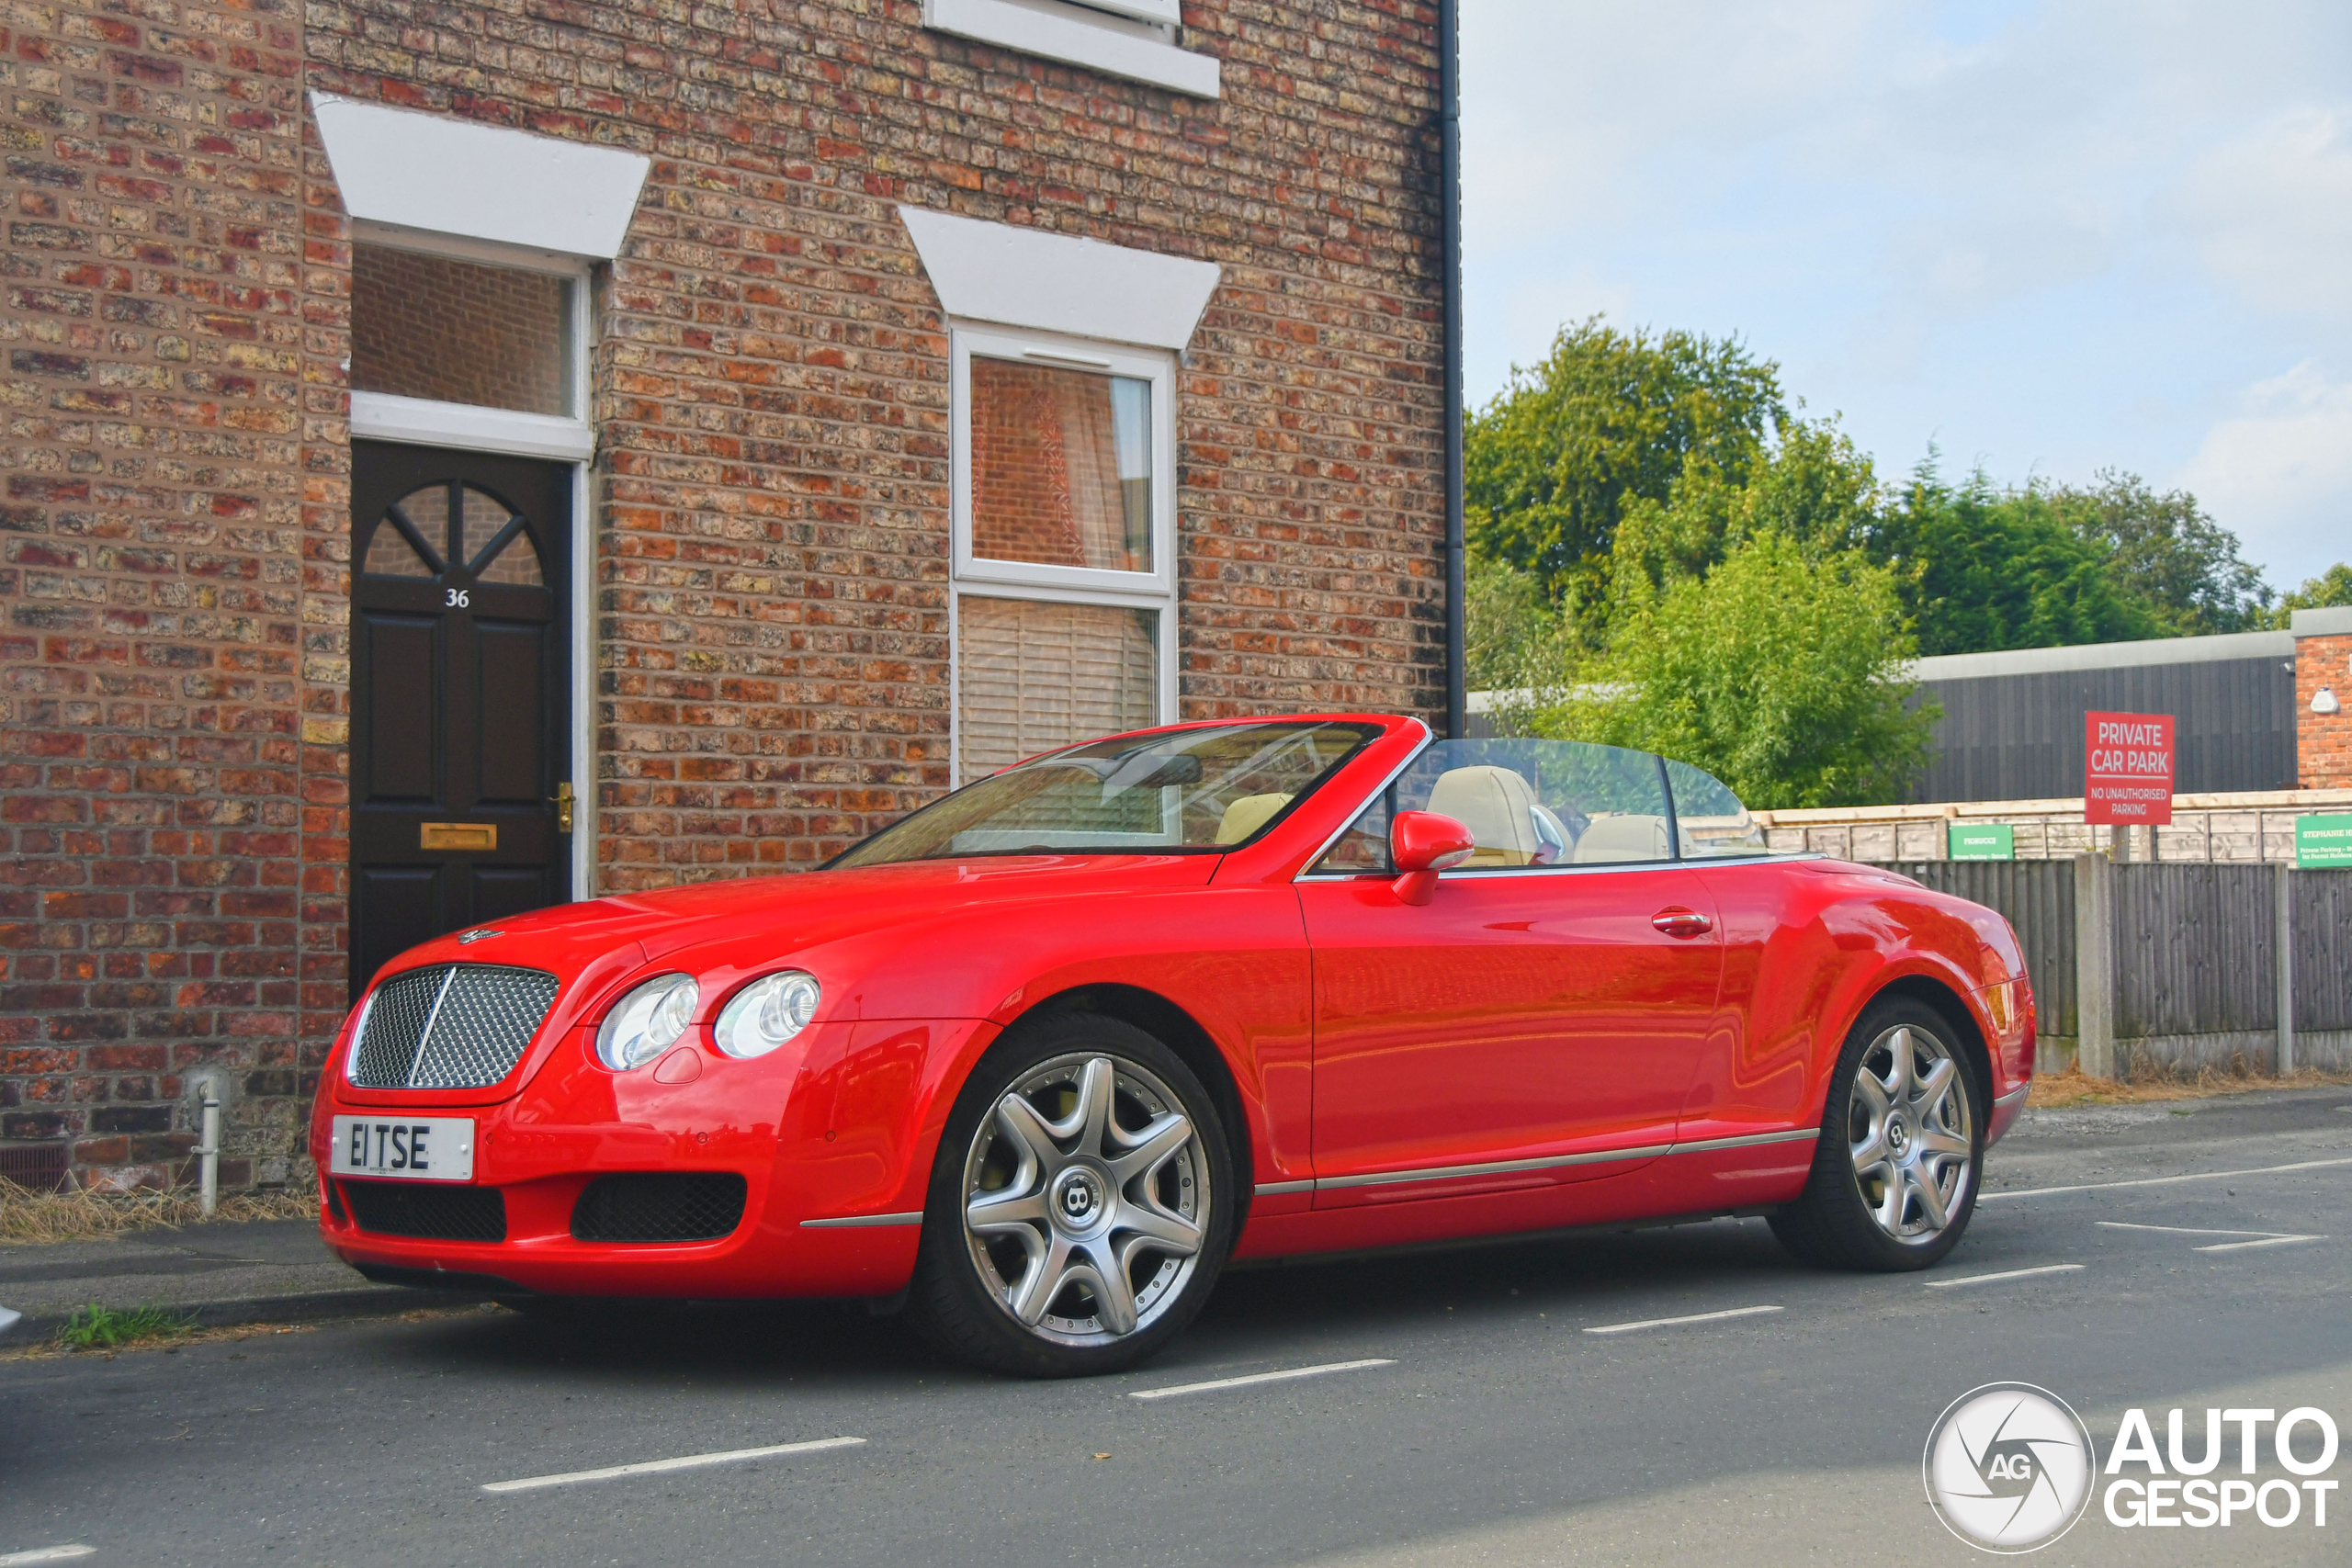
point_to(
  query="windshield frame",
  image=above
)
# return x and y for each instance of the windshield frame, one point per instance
(1367, 730)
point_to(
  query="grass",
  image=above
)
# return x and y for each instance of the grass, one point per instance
(2056, 1090)
(33, 1219)
(103, 1328)
(48, 1349)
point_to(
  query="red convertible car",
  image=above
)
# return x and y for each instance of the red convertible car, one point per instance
(1039, 1059)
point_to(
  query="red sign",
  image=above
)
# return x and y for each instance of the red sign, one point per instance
(2127, 768)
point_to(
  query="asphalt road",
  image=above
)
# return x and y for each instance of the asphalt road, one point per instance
(1499, 1430)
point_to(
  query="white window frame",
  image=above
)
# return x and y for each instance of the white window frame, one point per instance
(986, 577)
(425, 421)
(384, 416)
(1130, 38)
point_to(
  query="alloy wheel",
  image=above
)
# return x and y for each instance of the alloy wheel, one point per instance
(1086, 1200)
(1911, 1136)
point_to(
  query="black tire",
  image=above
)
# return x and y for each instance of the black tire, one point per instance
(1840, 1220)
(966, 1282)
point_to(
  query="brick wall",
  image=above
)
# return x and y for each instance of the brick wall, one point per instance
(2324, 741)
(771, 372)
(149, 567)
(771, 488)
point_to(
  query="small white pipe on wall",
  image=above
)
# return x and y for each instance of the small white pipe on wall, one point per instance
(207, 1151)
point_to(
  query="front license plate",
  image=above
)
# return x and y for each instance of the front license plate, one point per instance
(419, 1148)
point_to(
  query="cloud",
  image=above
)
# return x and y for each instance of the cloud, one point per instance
(2062, 236)
(2270, 210)
(2279, 470)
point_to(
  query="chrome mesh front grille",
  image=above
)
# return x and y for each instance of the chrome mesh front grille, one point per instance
(450, 1026)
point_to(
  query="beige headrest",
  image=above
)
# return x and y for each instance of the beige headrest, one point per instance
(1629, 836)
(1245, 816)
(1495, 804)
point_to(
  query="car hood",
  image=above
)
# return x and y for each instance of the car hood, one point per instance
(796, 911)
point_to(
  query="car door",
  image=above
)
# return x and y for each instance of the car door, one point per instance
(1537, 1021)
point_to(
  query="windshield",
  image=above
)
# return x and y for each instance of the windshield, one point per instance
(1176, 792)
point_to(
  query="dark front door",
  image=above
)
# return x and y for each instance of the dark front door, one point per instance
(458, 678)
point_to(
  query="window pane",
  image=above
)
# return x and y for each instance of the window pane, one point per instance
(1711, 820)
(459, 333)
(1061, 466)
(1031, 676)
(1527, 803)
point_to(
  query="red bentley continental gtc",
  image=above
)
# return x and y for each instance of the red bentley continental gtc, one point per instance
(1040, 1058)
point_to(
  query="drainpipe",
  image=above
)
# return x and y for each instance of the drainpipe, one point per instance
(208, 1152)
(1457, 658)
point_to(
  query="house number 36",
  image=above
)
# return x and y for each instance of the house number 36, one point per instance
(458, 599)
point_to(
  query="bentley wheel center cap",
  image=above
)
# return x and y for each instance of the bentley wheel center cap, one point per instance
(1077, 1197)
(1898, 1136)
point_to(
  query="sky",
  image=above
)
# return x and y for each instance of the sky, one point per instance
(2048, 239)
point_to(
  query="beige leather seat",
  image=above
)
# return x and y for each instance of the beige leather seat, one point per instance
(1501, 812)
(1245, 816)
(1632, 836)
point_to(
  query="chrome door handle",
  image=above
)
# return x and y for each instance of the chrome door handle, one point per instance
(1682, 922)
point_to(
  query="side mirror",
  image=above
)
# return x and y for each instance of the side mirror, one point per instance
(1422, 845)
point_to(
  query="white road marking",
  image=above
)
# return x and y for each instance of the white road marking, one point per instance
(2163, 1180)
(47, 1554)
(2003, 1274)
(1676, 1322)
(2265, 1241)
(1261, 1377)
(655, 1466)
(2262, 1238)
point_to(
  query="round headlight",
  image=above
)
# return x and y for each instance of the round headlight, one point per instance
(766, 1013)
(647, 1022)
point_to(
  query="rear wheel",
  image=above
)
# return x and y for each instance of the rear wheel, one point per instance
(1894, 1178)
(1081, 1207)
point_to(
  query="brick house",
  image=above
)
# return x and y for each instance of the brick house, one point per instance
(462, 457)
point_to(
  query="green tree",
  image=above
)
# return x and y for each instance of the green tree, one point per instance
(1782, 671)
(1981, 569)
(2168, 553)
(1810, 484)
(1609, 417)
(2331, 587)
(1513, 636)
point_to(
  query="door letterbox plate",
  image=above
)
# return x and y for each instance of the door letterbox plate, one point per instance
(458, 836)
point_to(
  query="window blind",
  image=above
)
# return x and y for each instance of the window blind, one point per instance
(1032, 675)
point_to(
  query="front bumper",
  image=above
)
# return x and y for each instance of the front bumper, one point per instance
(829, 1137)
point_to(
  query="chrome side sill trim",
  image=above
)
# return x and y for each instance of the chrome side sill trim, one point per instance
(1495, 1168)
(864, 1221)
(1800, 1135)
(2004, 1101)
(1551, 1162)
(1269, 1189)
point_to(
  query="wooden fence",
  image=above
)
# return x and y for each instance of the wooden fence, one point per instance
(2155, 966)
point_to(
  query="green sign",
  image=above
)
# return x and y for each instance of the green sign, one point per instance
(2324, 843)
(1985, 840)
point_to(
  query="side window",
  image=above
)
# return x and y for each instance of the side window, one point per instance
(1363, 848)
(1710, 818)
(1527, 804)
